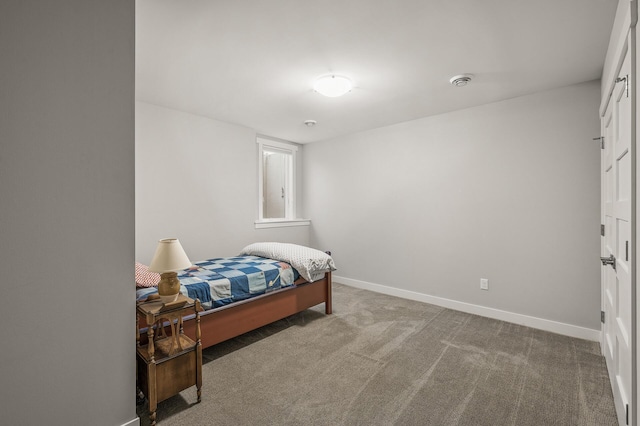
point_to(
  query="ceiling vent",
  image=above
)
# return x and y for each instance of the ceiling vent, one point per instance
(461, 80)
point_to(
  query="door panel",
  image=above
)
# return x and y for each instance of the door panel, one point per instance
(616, 169)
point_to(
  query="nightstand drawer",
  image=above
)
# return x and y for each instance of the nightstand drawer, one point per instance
(176, 374)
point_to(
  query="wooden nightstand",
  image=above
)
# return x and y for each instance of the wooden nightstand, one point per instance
(167, 363)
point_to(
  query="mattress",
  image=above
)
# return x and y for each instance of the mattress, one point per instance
(221, 281)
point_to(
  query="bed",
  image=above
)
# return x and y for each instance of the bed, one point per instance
(266, 282)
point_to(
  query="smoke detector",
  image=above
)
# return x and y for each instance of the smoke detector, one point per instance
(310, 123)
(461, 80)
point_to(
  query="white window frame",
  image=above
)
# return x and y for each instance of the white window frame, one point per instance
(290, 219)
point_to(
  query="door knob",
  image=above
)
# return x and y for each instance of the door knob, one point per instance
(611, 260)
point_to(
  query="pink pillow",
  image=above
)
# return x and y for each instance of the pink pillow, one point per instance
(144, 277)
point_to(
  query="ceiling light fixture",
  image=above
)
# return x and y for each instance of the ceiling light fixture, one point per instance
(461, 80)
(332, 85)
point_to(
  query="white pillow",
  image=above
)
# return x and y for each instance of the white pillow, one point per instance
(310, 263)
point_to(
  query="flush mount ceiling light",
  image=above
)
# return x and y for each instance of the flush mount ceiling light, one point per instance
(332, 85)
(461, 80)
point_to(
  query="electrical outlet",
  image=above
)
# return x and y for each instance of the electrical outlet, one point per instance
(484, 284)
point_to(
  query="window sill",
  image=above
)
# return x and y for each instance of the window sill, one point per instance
(281, 223)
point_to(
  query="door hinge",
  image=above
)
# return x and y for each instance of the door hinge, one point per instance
(627, 412)
(602, 317)
(602, 230)
(601, 139)
(626, 83)
(626, 250)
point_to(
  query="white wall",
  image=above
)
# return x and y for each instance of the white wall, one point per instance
(507, 191)
(197, 180)
(67, 351)
(634, 82)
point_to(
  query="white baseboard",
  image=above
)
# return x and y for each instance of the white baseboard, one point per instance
(134, 422)
(539, 323)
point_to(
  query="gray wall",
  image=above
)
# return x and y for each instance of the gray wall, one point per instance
(67, 355)
(197, 180)
(507, 191)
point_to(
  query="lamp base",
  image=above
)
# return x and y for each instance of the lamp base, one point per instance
(169, 299)
(169, 287)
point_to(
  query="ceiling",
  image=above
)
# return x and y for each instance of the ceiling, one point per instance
(254, 62)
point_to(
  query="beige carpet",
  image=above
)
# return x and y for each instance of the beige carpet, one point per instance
(381, 360)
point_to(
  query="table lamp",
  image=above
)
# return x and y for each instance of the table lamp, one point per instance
(169, 258)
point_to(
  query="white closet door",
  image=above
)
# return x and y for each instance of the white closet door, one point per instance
(616, 169)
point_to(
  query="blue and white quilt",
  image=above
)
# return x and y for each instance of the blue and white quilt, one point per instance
(221, 281)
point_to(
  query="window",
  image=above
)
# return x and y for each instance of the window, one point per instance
(277, 184)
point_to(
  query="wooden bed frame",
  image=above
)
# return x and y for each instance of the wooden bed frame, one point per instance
(226, 322)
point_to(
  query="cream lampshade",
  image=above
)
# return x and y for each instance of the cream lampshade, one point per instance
(169, 258)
